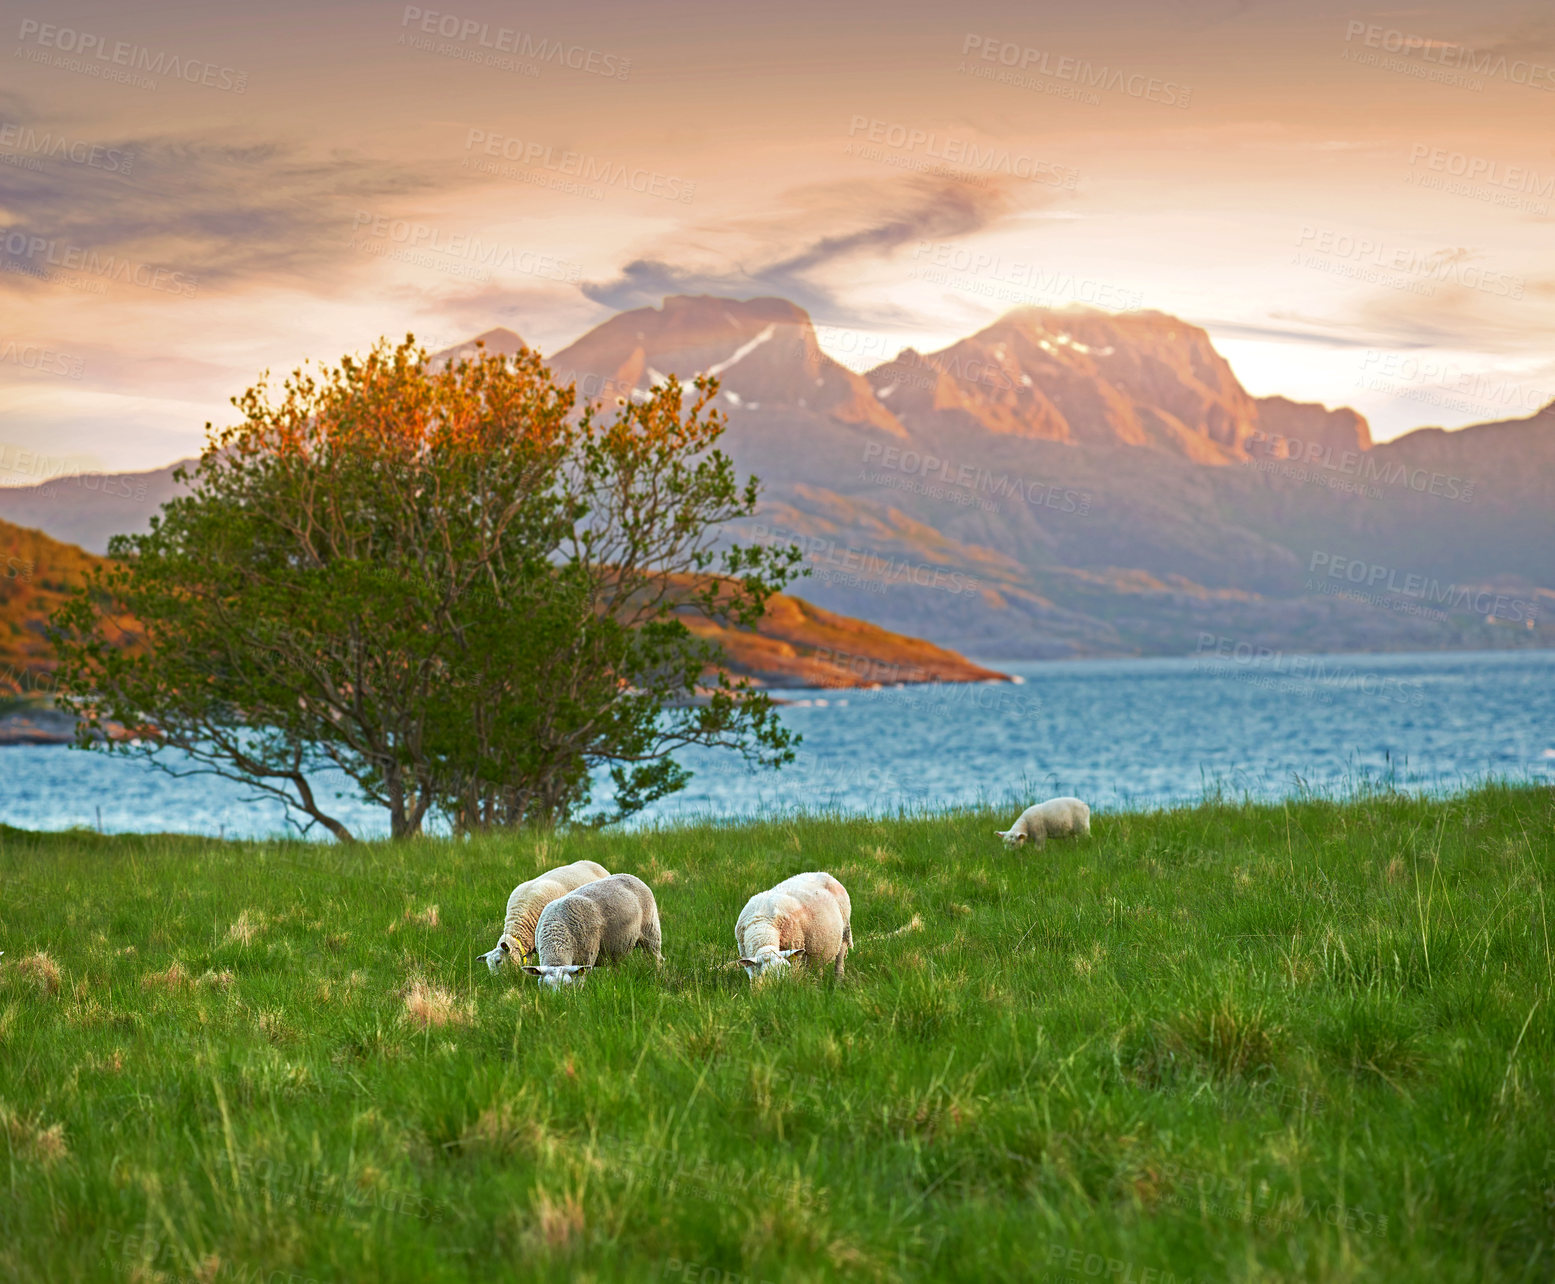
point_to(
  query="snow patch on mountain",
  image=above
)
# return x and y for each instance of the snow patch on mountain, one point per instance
(743, 351)
(1070, 342)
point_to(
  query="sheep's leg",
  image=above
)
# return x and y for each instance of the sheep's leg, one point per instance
(652, 940)
(842, 953)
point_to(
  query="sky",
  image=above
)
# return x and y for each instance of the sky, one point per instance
(1357, 203)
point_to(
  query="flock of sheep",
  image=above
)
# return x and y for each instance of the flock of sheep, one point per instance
(572, 917)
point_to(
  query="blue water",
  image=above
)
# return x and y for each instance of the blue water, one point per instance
(1122, 734)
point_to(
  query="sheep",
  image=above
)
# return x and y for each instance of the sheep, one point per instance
(607, 919)
(806, 916)
(529, 899)
(1056, 818)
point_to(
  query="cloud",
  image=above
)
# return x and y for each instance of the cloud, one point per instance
(1317, 331)
(548, 317)
(1452, 317)
(1532, 38)
(922, 209)
(224, 214)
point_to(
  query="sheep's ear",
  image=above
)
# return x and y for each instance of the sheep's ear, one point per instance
(578, 967)
(1002, 833)
(748, 963)
(534, 971)
(793, 953)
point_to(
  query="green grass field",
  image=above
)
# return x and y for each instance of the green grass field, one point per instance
(1227, 1042)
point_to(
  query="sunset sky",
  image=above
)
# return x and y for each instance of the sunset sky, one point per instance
(1358, 204)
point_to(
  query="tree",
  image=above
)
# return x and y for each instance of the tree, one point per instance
(445, 583)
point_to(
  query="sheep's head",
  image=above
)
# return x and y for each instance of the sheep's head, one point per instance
(508, 948)
(769, 960)
(555, 976)
(1012, 837)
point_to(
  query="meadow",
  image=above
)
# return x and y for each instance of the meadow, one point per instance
(1310, 1041)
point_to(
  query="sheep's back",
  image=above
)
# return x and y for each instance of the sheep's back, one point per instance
(609, 914)
(546, 887)
(1063, 816)
(810, 909)
(578, 874)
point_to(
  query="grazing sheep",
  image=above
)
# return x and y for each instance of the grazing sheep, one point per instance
(608, 919)
(529, 899)
(806, 916)
(1056, 818)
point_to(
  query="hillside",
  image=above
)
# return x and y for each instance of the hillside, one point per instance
(795, 645)
(800, 645)
(37, 573)
(1067, 483)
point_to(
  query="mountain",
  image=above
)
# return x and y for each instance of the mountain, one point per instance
(1084, 377)
(1067, 482)
(763, 351)
(89, 508)
(498, 342)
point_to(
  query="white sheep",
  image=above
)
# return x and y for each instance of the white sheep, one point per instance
(1056, 818)
(806, 916)
(604, 920)
(529, 899)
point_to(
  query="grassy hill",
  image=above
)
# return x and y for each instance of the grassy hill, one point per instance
(1225, 1042)
(798, 644)
(36, 575)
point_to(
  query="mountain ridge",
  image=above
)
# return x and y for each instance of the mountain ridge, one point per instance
(1067, 482)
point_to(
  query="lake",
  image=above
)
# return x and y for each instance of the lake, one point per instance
(1122, 734)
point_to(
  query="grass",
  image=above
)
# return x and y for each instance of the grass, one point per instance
(1232, 1041)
